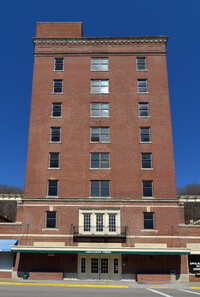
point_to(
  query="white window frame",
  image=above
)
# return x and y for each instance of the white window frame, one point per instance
(60, 64)
(99, 116)
(98, 83)
(152, 188)
(100, 188)
(145, 134)
(51, 135)
(138, 87)
(53, 110)
(100, 161)
(100, 141)
(99, 64)
(50, 160)
(140, 109)
(46, 220)
(93, 213)
(150, 160)
(153, 220)
(145, 63)
(57, 93)
(48, 187)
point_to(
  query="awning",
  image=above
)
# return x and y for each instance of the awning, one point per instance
(5, 244)
(80, 250)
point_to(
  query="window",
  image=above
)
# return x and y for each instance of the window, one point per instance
(100, 188)
(100, 160)
(99, 64)
(53, 160)
(57, 86)
(145, 134)
(95, 221)
(99, 110)
(94, 265)
(146, 160)
(53, 188)
(99, 86)
(142, 86)
(143, 109)
(148, 220)
(51, 219)
(56, 109)
(147, 188)
(55, 134)
(116, 266)
(87, 222)
(99, 222)
(83, 265)
(141, 63)
(112, 222)
(59, 64)
(99, 134)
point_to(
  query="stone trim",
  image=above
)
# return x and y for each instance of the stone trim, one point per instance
(86, 199)
(101, 40)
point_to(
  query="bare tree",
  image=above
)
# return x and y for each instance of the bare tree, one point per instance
(192, 189)
(5, 189)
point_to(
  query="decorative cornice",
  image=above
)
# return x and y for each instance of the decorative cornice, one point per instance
(12, 197)
(102, 40)
(113, 200)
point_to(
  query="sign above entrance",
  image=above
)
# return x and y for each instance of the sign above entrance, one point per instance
(99, 252)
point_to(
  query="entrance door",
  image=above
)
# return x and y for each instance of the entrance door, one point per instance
(103, 267)
(94, 268)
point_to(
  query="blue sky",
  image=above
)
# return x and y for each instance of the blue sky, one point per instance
(179, 19)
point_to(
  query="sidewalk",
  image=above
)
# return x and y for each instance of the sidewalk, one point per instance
(94, 283)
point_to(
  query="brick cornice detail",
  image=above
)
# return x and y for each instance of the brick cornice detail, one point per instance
(102, 40)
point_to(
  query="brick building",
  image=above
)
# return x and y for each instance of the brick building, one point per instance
(100, 194)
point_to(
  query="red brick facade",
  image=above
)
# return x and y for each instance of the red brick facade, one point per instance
(160, 249)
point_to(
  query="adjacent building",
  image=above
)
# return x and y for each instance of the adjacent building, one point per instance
(100, 194)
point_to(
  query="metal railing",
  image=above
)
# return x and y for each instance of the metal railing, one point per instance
(100, 231)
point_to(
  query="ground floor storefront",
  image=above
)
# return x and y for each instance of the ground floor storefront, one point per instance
(6, 258)
(100, 264)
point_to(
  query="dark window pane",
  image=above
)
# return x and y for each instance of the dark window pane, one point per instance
(146, 164)
(56, 110)
(95, 188)
(54, 164)
(95, 137)
(51, 215)
(53, 188)
(105, 157)
(147, 184)
(95, 164)
(145, 131)
(148, 216)
(148, 225)
(53, 183)
(55, 134)
(104, 164)
(148, 220)
(145, 138)
(58, 64)
(105, 188)
(58, 86)
(95, 134)
(51, 224)
(51, 219)
(94, 160)
(147, 192)
(143, 113)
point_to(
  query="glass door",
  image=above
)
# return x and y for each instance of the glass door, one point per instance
(104, 271)
(94, 268)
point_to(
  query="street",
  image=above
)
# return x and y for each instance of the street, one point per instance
(62, 290)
